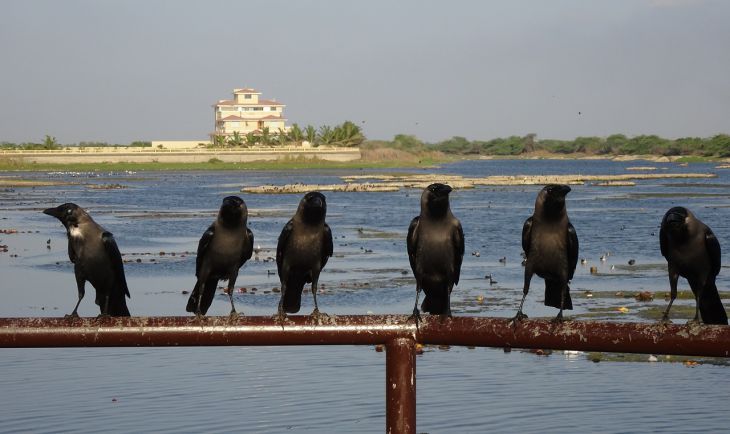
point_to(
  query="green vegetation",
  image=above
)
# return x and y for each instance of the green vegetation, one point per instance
(51, 144)
(347, 134)
(617, 144)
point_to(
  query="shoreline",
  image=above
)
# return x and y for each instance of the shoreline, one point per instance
(226, 159)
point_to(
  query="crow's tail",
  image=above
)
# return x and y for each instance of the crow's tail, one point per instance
(293, 296)
(208, 294)
(118, 305)
(711, 307)
(552, 294)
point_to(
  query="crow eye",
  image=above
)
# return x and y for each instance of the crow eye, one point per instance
(68, 211)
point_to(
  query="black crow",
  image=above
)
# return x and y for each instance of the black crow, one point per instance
(96, 259)
(693, 252)
(551, 246)
(435, 250)
(222, 250)
(305, 245)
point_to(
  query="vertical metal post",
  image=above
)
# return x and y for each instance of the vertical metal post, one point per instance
(400, 386)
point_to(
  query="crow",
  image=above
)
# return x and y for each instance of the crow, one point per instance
(305, 245)
(224, 247)
(96, 259)
(435, 246)
(551, 246)
(693, 252)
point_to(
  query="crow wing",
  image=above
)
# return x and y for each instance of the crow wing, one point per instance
(247, 249)
(526, 235)
(281, 245)
(71, 252)
(115, 258)
(713, 250)
(327, 245)
(203, 245)
(572, 249)
(412, 242)
(663, 241)
(458, 238)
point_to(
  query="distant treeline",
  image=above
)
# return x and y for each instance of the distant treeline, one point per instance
(616, 144)
(50, 144)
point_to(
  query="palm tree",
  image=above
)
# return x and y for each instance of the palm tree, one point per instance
(282, 137)
(236, 140)
(265, 136)
(310, 133)
(219, 141)
(325, 134)
(295, 133)
(350, 134)
(252, 139)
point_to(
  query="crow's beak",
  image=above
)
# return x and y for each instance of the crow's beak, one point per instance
(675, 219)
(53, 212)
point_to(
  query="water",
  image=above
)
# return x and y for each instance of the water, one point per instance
(309, 389)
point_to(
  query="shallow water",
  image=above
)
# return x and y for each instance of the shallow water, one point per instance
(280, 389)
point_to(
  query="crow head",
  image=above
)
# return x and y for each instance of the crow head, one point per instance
(436, 199)
(675, 219)
(552, 199)
(69, 214)
(233, 210)
(313, 207)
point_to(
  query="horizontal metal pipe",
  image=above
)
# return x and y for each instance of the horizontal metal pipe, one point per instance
(647, 338)
(650, 338)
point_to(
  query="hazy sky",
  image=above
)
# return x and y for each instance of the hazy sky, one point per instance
(119, 71)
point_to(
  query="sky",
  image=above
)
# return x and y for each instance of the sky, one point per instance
(118, 71)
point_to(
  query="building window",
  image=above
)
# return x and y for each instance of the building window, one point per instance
(247, 96)
(258, 109)
(272, 109)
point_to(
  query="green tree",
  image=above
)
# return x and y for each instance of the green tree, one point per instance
(282, 138)
(720, 145)
(236, 140)
(454, 145)
(50, 142)
(265, 136)
(252, 139)
(325, 135)
(310, 134)
(348, 134)
(219, 140)
(529, 142)
(616, 141)
(296, 134)
(591, 145)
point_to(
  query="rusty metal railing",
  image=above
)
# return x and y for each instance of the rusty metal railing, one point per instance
(394, 331)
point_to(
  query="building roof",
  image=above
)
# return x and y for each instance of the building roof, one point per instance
(270, 102)
(246, 90)
(262, 102)
(240, 118)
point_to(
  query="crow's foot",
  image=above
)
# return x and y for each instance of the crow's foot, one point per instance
(415, 316)
(665, 320)
(518, 318)
(280, 317)
(558, 319)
